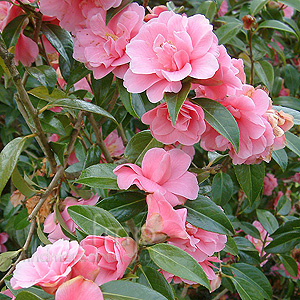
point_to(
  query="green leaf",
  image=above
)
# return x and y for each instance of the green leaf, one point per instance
(292, 112)
(12, 30)
(139, 144)
(242, 287)
(256, 279)
(291, 79)
(265, 72)
(60, 39)
(222, 188)
(24, 295)
(293, 3)
(77, 74)
(125, 205)
(267, 220)
(6, 259)
(251, 179)
(276, 25)
(42, 236)
(288, 226)
(284, 205)
(101, 87)
(176, 100)
(99, 176)
(205, 214)
(96, 221)
(221, 120)
(250, 229)
(20, 183)
(113, 11)
(284, 242)
(288, 101)
(59, 149)
(231, 246)
(41, 92)
(8, 159)
(3, 297)
(293, 142)
(228, 31)
(290, 265)
(257, 5)
(208, 9)
(127, 290)
(20, 221)
(51, 124)
(155, 280)
(281, 158)
(178, 262)
(46, 75)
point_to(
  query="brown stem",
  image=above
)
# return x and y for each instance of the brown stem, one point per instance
(145, 3)
(32, 115)
(251, 58)
(99, 139)
(122, 135)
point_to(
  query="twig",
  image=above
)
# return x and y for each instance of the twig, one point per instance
(251, 58)
(122, 135)
(220, 294)
(145, 3)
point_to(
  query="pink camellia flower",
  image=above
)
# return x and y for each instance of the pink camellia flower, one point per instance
(239, 64)
(101, 47)
(112, 255)
(248, 107)
(161, 170)
(187, 130)
(73, 13)
(78, 288)
(224, 83)
(270, 183)
(168, 49)
(49, 266)
(259, 243)
(163, 222)
(155, 12)
(223, 8)
(52, 227)
(8, 293)
(3, 239)
(296, 178)
(114, 144)
(288, 11)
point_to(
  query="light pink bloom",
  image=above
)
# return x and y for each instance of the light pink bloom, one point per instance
(256, 135)
(239, 64)
(114, 144)
(282, 268)
(270, 183)
(168, 49)
(52, 227)
(9, 294)
(73, 13)
(223, 8)
(112, 255)
(155, 12)
(187, 129)
(161, 170)
(102, 47)
(189, 150)
(296, 178)
(224, 83)
(215, 283)
(163, 222)
(258, 243)
(288, 11)
(78, 288)
(3, 239)
(49, 266)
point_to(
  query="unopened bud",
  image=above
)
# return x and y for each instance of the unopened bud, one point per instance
(249, 21)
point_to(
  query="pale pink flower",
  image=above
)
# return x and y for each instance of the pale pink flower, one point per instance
(51, 225)
(224, 83)
(78, 288)
(112, 255)
(282, 268)
(168, 49)
(114, 144)
(101, 47)
(163, 222)
(49, 266)
(187, 130)
(3, 239)
(73, 13)
(215, 283)
(239, 64)
(270, 183)
(259, 243)
(161, 170)
(155, 12)
(288, 11)
(279, 195)
(223, 8)
(296, 178)
(8, 293)
(256, 135)
(189, 150)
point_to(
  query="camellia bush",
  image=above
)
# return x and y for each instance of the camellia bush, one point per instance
(149, 149)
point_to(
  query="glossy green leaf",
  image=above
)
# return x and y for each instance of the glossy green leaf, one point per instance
(20, 183)
(20, 221)
(208, 9)
(284, 205)
(101, 87)
(12, 30)
(82, 105)
(256, 279)
(176, 100)
(42, 235)
(139, 144)
(281, 158)
(222, 188)
(125, 205)
(46, 75)
(8, 159)
(59, 149)
(257, 5)
(231, 247)
(265, 72)
(288, 101)
(127, 290)
(155, 280)
(276, 25)
(250, 229)
(24, 295)
(267, 220)
(99, 176)
(226, 32)
(96, 221)
(245, 292)
(77, 74)
(250, 178)
(178, 262)
(288, 226)
(41, 92)
(51, 124)
(205, 214)
(290, 265)
(6, 259)
(284, 242)
(291, 79)
(293, 142)
(221, 120)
